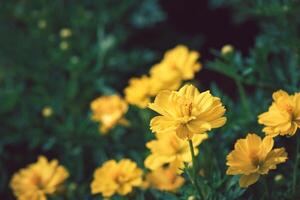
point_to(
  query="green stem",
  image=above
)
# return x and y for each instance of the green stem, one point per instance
(195, 167)
(266, 188)
(296, 164)
(244, 99)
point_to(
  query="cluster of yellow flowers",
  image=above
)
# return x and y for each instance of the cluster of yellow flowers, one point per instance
(177, 65)
(185, 117)
(253, 156)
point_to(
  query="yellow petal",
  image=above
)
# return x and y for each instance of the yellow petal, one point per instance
(247, 180)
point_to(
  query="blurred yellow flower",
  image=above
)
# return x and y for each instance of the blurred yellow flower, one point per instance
(169, 148)
(109, 111)
(38, 180)
(226, 49)
(116, 178)
(164, 77)
(187, 112)
(65, 32)
(278, 177)
(283, 116)
(253, 157)
(165, 179)
(47, 111)
(183, 60)
(42, 24)
(138, 91)
(191, 198)
(64, 45)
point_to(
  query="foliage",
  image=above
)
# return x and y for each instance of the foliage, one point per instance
(39, 67)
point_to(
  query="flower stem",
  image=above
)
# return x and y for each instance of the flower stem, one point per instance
(243, 97)
(266, 188)
(195, 169)
(296, 164)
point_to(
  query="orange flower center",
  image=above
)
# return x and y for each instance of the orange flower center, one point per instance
(289, 108)
(255, 160)
(37, 181)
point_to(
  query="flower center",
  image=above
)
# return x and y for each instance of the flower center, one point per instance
(255, 160)
(288, 108)
(37, 181)
(188, 107)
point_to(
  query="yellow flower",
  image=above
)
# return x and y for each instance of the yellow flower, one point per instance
(191, 198)
(283, 116)
(109, 111)
(42, 24)
(64, 45)
(183, 60)
(253, 157)
(169, 148)
(165, 179)
(187, 112)
(138, 91)
(65, 32)
(116, 178)
(278, 177)
(47, 111)
(38, 180)
(226, 49)
(164, 77)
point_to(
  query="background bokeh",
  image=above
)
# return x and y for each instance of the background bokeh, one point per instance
(112, 41)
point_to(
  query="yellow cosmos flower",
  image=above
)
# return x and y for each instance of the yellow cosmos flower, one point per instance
(164, 77)
(187, 112)
(38, 180)
(47, 111)
(116, 178)
(64, 45)
(283, 116)
(253, 157)
(109, 111)
(183, 60)
(165, 179)
(65, 32)
(138, 91)
(226, 49)
(169, 148)
(42, 23)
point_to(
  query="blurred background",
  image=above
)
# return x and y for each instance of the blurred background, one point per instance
(62, 54)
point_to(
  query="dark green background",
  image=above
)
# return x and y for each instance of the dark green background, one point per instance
(113, 41)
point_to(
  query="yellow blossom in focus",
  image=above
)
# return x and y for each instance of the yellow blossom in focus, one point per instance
(138, 91)
(164, 77)
(38, 180)
(47, 111)
(168, 148)
(253, 157)
(65, 32)
(187, 112)
(165, 179)
(109, 111)
(116, 178)
(283, 116)
(226, 49)
(183, 60)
